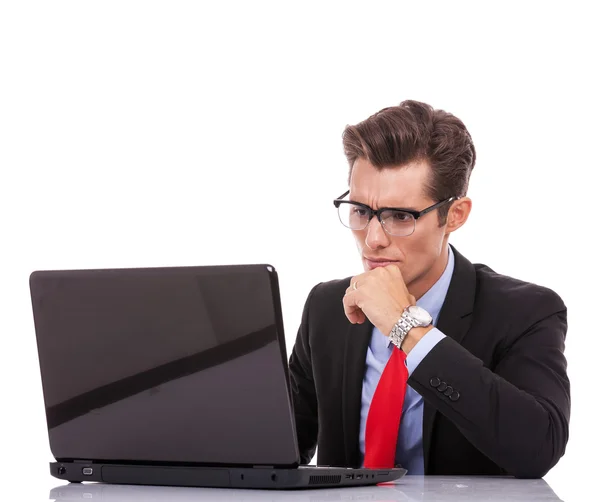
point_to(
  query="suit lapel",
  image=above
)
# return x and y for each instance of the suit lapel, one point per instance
(454, 321)
(358, 337)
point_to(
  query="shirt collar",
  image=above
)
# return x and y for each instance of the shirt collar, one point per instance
(433, 300)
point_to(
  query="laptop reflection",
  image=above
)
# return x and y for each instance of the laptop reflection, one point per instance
(407, 489)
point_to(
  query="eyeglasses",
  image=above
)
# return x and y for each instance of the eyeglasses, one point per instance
(395, 221)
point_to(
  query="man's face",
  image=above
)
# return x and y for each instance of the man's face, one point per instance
(420, 255)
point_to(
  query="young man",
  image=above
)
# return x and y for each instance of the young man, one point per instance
(475, 378)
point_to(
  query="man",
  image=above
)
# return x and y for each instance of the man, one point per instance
(487, 390)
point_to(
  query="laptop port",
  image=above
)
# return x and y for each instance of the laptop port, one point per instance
(87, 471)
(359, 476)
(349, 476)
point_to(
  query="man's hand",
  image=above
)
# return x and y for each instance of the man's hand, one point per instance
(379, 295)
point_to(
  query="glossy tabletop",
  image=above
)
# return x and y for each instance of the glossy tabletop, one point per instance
(409, 488)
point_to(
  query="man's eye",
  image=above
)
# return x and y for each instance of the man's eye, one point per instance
(402, 217)
(359, 211)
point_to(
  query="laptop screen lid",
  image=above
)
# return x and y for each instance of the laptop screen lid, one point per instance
(170, 365)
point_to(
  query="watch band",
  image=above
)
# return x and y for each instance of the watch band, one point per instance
(401, 329)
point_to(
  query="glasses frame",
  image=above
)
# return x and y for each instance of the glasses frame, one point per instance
(377, 212)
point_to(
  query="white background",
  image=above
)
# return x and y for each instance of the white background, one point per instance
(187, 133)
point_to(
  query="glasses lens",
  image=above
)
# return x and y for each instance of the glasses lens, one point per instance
(353, 216)
(398, 223)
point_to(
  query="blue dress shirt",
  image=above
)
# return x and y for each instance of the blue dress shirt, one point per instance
(409, 451)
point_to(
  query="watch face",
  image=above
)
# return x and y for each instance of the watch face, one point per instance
(420, 314)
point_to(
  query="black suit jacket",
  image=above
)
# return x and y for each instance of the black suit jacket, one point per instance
(503, 354)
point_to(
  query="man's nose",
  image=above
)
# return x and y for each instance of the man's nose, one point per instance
(376, 235)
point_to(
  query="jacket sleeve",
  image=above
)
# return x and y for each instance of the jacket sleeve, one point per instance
(517, 415)
(304, 397)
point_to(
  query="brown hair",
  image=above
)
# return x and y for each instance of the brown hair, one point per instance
(414, 131)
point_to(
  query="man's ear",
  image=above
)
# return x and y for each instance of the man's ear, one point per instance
(458, 214)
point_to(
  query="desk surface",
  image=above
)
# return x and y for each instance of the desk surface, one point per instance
(409, 488)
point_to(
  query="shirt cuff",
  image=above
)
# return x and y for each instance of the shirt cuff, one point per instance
(422, 348)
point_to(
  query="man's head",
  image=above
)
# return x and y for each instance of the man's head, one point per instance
(410, 156)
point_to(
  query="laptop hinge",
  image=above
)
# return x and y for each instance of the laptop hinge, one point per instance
(263, 467)
(79, 461)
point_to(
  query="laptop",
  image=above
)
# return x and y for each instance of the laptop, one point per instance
(172, 376)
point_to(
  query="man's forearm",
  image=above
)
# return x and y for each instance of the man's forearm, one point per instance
(519, 419)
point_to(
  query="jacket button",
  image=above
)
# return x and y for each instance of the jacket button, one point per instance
(434, 382)
(442, 387)
(449, 391)
(455, 396)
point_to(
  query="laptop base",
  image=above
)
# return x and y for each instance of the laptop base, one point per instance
(223, 477)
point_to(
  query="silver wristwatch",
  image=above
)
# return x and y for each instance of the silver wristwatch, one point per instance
(412, 317)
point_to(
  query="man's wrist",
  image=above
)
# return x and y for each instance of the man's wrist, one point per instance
(413, 337)
(387, 327)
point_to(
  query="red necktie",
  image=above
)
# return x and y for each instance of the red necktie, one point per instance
(383, 420)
